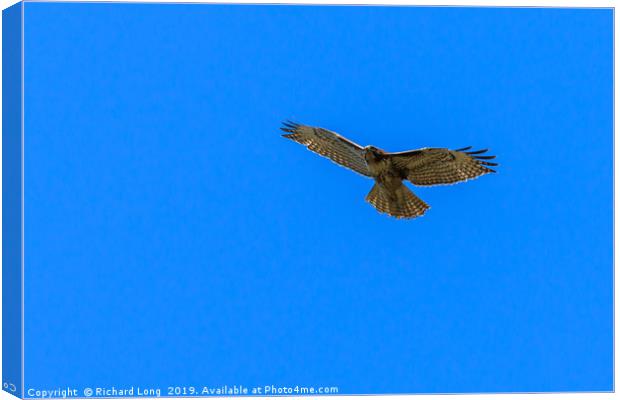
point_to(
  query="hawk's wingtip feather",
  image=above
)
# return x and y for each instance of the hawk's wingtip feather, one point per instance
(477, 152)
(290, 124)
(463, 149)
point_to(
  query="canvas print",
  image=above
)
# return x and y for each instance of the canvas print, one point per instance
(303, 200)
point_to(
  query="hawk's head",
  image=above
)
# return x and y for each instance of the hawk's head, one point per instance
(372, 153)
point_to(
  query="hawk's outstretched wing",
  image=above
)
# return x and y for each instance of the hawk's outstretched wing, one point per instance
(435, 166)
(328, 144)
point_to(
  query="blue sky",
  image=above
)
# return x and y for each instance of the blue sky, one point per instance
(174, 238)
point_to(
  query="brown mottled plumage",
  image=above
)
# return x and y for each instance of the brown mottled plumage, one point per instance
(422, 167)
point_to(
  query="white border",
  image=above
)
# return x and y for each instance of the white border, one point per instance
(434, 3)
(22, 219)
(476, 3)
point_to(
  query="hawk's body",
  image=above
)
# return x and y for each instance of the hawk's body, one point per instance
(423, 167)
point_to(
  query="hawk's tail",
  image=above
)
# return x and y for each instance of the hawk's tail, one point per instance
(399, 203)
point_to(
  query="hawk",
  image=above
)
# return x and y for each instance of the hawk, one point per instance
(421, 167)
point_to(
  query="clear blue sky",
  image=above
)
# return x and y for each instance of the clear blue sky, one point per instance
(174, 238)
